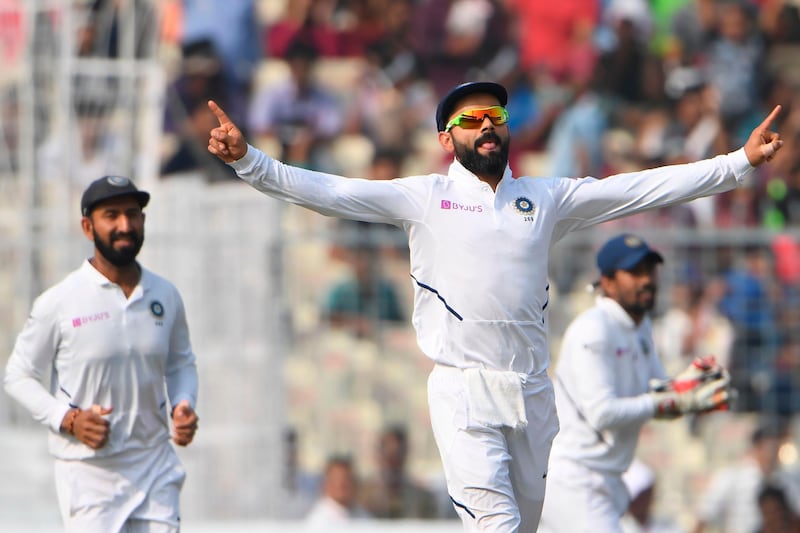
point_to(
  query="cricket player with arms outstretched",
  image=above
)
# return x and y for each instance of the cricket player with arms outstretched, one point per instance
(479, 240)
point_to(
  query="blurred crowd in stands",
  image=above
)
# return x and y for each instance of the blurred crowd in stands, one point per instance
(596, 87)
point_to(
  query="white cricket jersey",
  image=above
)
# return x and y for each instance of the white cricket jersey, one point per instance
(479, 258)
(132, 354)
(601, 384)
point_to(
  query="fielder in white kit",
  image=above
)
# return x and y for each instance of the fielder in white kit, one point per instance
(114, 338)
(604, 385)
(479, 241)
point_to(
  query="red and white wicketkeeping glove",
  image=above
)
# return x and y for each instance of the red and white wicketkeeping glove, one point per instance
(700, 370)
(704, 386)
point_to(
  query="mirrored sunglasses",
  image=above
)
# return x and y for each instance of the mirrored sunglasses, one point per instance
(473, 118)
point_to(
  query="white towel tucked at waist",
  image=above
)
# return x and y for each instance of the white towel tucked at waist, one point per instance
(495, 398)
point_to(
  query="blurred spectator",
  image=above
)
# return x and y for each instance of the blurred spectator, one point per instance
(298, 112)
(735, 67)
(310, 21)
(693, 326)
(232, 29)
(301, 489)
(776, 513)
(391, 494)
(731, 499)
(640, 480)
(456, 39)
(614, 14)
(550, 35)
(694, 26)
(198, 80)
(337, 504)
(785, 398)
(740, 208)
(780, 22)
(785, 196)
(103, 35)
(191, 154)
(575, 145)
(531, 113)
(363, 23)
(187, 115)
(89, 148)
(695, 129)
(622, 62)
(690, 131)
(393, 84)
(747, 302)
(363, 301)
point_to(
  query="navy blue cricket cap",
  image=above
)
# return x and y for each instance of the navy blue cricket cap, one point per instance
(447, 104)
(109, 187)
(624, 252)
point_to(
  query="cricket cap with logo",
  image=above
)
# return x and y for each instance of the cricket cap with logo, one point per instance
(447, 104)
(624, 252)
(109, 187)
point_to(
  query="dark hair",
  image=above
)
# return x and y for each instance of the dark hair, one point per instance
(769, 491)
(397, 431)
(769, 427)
(344, 460)
(301, 49)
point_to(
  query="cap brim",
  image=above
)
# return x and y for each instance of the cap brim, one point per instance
(634, 259)
(142, 197)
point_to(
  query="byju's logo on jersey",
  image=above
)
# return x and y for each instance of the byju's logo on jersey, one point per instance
(455, 206)
(96, 317)
(525, 207)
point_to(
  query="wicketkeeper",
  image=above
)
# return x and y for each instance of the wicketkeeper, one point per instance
(609, 382)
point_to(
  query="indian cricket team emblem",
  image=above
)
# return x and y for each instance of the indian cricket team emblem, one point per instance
(157, 309)
(632, 241)
(525, 207)
(118, 181)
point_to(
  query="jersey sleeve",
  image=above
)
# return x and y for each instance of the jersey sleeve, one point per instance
(593, 378)
(181, 370)
(32, 359)
(588, 201)
(389, 201)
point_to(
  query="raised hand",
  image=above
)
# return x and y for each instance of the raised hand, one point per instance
(184, 423)
(762, 144)
(226, 140)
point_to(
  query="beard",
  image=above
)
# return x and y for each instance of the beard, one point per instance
(639, 306)
(493, 164)
(122, 257)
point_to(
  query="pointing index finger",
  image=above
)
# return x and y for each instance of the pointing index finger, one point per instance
(219, 113)
(764, 125)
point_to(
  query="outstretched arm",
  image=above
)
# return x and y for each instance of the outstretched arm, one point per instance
(763, 144)
(226, 140)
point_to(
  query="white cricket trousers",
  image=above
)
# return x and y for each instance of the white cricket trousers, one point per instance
(137, 491)
(582, 500)
(495, 476)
